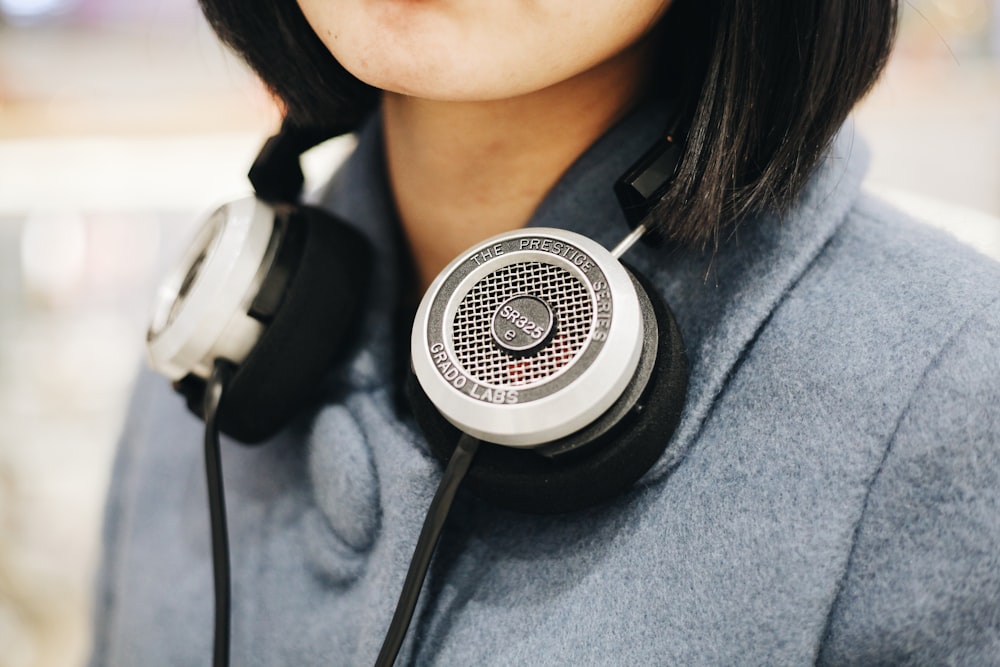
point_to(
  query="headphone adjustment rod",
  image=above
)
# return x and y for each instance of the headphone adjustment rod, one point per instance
(629, 241)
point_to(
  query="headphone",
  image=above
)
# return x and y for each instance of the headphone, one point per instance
(269, 286)
(538, 341)
(557, 359)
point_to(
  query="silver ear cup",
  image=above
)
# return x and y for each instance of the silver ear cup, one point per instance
(528, 337)
(201, 310)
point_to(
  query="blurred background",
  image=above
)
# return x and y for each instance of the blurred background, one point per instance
(122, 120)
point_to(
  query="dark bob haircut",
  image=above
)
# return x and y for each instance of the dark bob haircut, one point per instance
(765, 85)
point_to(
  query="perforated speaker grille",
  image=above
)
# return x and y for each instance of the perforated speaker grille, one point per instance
(567, 296)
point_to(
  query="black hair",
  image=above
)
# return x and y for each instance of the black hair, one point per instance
(765, 85)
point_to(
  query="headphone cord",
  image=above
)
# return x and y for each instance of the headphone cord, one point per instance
(217, 512)
(430, 533)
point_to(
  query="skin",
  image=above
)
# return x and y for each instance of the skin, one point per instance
(486, 104)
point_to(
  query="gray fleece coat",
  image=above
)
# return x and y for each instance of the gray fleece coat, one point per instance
(831, 496)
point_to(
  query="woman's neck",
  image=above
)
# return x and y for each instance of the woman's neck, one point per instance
(464, 171)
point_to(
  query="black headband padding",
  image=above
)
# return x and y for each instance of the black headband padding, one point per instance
(307, 335)
(523, 480)
(276, 173)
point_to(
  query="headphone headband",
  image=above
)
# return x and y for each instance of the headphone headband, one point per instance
(276, 173)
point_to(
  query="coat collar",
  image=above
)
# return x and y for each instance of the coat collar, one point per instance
(721, 300)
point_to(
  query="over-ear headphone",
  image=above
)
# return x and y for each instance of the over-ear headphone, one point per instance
(541, 342)
(269, 285)
(538, 341)
(544, 371)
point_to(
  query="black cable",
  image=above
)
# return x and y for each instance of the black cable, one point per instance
(217, 512)
(430, 533)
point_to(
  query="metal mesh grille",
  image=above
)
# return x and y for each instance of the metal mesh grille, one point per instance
(571, 304)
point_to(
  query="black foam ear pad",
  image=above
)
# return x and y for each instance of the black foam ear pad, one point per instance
(524, 480)
(318, 310)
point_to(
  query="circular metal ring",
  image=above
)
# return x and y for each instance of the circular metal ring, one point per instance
(201, 308)
(525, 400)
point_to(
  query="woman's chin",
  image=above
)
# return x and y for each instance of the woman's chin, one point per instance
(461, 51)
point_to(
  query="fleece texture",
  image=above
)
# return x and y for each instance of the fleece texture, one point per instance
(831, 494)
